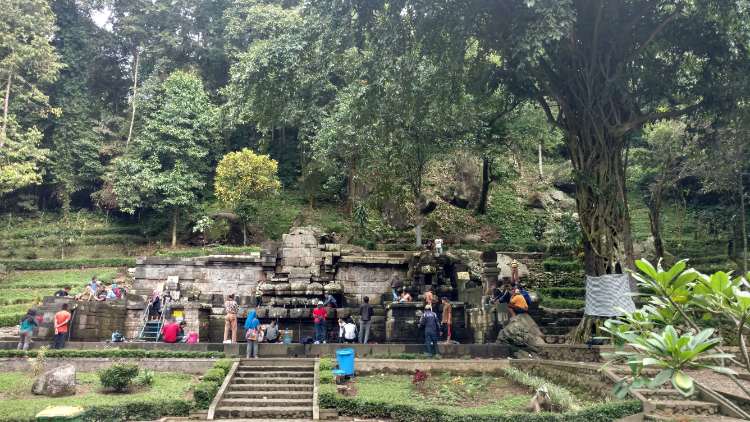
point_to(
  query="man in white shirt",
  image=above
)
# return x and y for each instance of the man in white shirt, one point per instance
(438, 247)
(350, 331)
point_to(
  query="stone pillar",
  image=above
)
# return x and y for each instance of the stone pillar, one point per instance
(490, 272)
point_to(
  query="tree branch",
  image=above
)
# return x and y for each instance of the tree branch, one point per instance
(626, 127)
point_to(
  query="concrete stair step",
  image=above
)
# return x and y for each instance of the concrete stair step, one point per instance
(273, 380)
(261, 402)
(279, 394)
(662, 394)
(270, 387)
(684, 407)
(279, 374)
(270, 368)
(288, 412)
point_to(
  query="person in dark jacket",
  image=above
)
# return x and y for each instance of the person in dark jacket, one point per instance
(365, 317)
(431, 325)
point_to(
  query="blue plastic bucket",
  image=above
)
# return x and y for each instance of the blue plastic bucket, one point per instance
(345, 359)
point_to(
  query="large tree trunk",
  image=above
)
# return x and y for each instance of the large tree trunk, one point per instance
(6, 103)
(654, 215)
(175, 219)
(743, 222)
(135, 95)
(486, 180)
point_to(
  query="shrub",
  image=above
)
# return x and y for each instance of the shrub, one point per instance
(562, 303)
(10, 320)
(111, 353)
(224, 364)
(559, 395)
(204, 393)
(147, 410)
(563, 292)
(405, 413)
(62, 264)
(554, 264)
(215, 375)
(145, 378)
(118, 377)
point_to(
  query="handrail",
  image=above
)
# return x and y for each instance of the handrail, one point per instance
(164, 307)
(144, 320)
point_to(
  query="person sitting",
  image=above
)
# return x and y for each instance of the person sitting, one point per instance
(350, 331)
(272, 332)
(517, 304)
(64, 292)
(101, 293)
(341, 330)
(170, 331)
(502, 295)
(331, 301)
(429, 297)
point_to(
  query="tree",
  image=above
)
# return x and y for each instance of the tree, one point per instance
(658, 167)
(168, 165)
(242, 178)
(27, 63)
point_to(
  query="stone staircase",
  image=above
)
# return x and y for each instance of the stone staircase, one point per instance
(269, 389)
(151, 331)
(556, 324)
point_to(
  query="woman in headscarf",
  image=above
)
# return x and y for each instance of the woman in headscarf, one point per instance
(252, 334)
(26, 329)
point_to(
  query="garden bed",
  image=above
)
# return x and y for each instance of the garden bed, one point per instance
(18, 404)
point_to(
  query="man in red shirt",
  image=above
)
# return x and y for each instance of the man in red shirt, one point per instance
(61, 321)
(170, 331)
(319, 318)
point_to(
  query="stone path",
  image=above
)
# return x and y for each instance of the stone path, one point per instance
(269, 389)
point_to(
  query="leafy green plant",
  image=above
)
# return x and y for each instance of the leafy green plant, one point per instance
(214, 375)
(559, 395)
(204, 393)
(224, 364)
(118, 377)
(145, 378)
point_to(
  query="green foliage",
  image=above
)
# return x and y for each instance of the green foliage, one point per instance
(59, 264)
(112, 353)
(204, 393)
(11, 319)
(563, 234)
(145, 378)
(214, 375)
(118, 377)
(559, 395)
(215, 250)
(224, 364)
(556, 264)
(166, 397)
(56, 279)
(561, 303)
(515, 225)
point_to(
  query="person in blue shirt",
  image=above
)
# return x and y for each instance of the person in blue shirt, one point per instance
(26, 329)
(431, 325)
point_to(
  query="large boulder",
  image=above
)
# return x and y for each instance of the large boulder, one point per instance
(521, 331)
(56, 382)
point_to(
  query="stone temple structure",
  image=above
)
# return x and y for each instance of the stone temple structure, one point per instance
(294, 275)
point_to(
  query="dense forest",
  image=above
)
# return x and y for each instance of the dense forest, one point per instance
(603, 129)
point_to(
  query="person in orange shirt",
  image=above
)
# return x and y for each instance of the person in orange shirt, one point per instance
(517, 304)
(62, 322)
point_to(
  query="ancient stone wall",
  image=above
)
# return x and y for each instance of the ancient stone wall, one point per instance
(373, 279)
(92, 321)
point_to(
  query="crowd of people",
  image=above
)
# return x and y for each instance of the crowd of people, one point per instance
(95, 290)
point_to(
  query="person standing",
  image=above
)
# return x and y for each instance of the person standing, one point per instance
(438, 247)
(396, 285)
(514, 276)
(365, 317)
(319, 318)
(447, 319)
(429, 297)
(429, 322)
(26, 329)
(230, 320)
(62, 323)
(259, 293)
(252, 334)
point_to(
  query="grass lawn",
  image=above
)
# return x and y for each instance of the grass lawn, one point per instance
(18, 404)
(55, 279)
(460, 395)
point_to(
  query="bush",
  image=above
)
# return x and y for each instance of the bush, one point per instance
(563, 292)
(554, 264)
(111, 353)
(11, 320)
(145, 378)
(224, 364)
(62, 264)
(137, 411)
(215, 375)
(118, 377)
(562, 303)
(204, 393)
(404, 413)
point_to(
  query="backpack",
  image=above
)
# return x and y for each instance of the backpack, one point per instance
(251, 334)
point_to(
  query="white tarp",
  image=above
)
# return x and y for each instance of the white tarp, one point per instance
(606, 294)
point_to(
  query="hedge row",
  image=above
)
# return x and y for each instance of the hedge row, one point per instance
(216, 250)
(555, 264)
(563, 292)
(51, 230)
(11, 320)
(206, 390)
(404, 413)
(111, 353)
(133, 411)
(85, 240)
(64, 264)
